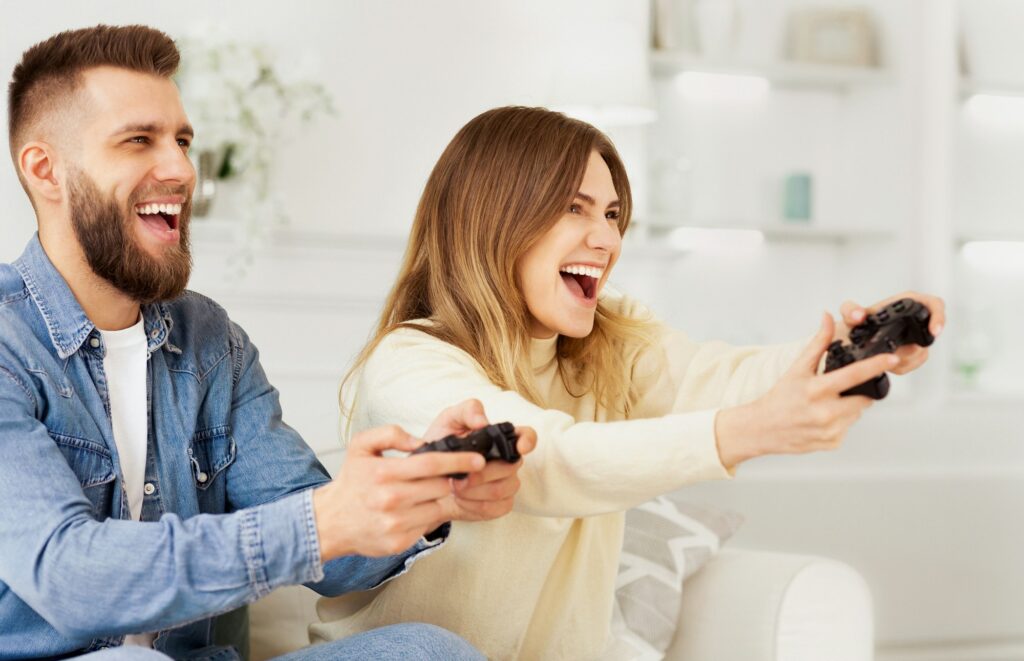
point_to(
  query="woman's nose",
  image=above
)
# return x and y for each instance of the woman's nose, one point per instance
(604, 236)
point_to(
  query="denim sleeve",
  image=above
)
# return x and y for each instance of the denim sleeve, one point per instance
(356, 573)
(264, 440)
(87, 577)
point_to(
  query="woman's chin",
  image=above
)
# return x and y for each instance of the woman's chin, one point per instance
(577, 328)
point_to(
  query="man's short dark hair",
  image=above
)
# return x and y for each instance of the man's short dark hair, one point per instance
(50, 71)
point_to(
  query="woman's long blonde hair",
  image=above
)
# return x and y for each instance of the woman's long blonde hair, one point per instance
(502, 182)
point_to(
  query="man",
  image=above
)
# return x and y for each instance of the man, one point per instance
(147, 481)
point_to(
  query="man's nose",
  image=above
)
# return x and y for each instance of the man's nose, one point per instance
(173, 166)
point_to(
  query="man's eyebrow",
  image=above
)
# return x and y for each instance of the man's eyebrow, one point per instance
(184, 129)
(590, 200)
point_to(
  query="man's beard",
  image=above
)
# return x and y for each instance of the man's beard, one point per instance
(106, 233)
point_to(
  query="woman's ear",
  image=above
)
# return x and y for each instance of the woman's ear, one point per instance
(36, 163)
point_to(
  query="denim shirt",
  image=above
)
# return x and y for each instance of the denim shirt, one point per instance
(227, 513)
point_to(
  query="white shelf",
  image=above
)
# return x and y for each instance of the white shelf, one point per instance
(970, 86)
(775, 231)
(994, 234)
(786, 74)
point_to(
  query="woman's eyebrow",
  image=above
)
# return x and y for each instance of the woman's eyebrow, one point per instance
(590, 200)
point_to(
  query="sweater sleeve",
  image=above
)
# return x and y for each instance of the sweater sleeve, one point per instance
(578, 468)
(675, 374)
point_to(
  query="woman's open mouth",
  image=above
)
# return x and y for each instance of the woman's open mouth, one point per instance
(582, 281)
(161, 219)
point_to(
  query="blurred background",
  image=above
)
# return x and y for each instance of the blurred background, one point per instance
(785, 156)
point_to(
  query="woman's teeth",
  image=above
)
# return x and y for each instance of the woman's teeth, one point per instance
(579, 269)
(150, 209)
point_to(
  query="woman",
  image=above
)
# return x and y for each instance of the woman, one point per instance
(501, 298)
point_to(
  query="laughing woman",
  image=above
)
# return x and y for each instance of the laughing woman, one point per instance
(502, 298)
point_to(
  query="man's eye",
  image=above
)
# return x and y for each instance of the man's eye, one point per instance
(139, 140)
(184, 142)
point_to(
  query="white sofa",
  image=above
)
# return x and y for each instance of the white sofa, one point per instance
(741, 606)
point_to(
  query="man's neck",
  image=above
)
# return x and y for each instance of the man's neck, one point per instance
(106, 307)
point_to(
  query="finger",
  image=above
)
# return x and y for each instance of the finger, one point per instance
(434, 464)
(483, 510)
(527, 440)
(911, 357)
(398, 496)
(937, 307)
(375, 441)
(853, 313)
(461, 418)
(498, 490)
(811, 355)
(857, 373)
(495, 470)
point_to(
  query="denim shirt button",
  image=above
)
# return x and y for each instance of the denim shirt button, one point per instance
(202, 477)
(149, 489)
(155, 333)
(94, 342)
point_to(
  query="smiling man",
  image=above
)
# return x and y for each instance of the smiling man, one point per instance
(147, 481)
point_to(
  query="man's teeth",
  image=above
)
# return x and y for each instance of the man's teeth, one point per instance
(149, 209)
(577, 269)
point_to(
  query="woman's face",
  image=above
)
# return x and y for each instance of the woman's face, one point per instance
(563, 273)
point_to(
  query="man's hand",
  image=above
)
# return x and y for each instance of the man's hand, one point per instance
(911, 356)
(804, 411)
(380, 506)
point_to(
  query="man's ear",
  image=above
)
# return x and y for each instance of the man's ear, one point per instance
(38, 167)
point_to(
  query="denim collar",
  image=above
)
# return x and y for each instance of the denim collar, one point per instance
(65, 319)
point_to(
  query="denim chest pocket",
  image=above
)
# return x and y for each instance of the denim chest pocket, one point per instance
(94, 468)
(210, 454)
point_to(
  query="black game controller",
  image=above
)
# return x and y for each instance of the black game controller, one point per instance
(899, 323)
(493, 442)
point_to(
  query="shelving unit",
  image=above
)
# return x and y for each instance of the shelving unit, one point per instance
(774, 231)
(970, 86)
(792, 75)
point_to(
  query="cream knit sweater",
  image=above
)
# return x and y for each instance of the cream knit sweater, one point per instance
(539, 583)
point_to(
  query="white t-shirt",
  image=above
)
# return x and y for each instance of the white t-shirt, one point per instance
(125, 368)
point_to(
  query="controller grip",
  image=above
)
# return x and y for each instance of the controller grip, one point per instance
(876, 388)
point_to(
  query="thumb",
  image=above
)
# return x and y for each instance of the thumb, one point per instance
(809, 358)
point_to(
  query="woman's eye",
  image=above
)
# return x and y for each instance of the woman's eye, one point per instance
(612, 215)
(183, 142)
(575, 208)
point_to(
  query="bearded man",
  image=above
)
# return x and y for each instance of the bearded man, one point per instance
(147, 480)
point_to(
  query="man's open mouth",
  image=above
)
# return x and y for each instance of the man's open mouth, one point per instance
(582, 281)
(160, 217)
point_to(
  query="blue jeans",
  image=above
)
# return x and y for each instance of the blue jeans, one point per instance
(398, 642)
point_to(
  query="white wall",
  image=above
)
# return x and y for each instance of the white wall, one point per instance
(923, 496)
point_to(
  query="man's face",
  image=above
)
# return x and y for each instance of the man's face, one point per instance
(130, 183)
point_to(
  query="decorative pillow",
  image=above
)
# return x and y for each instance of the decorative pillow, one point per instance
(667, 539)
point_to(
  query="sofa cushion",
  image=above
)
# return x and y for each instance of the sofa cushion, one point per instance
(666, 540)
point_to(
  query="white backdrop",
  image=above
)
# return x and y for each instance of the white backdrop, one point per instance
(925, 496)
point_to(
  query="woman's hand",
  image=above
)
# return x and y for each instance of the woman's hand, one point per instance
(911, 356)
(804, 411)
(488, 493)
(380, 505)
